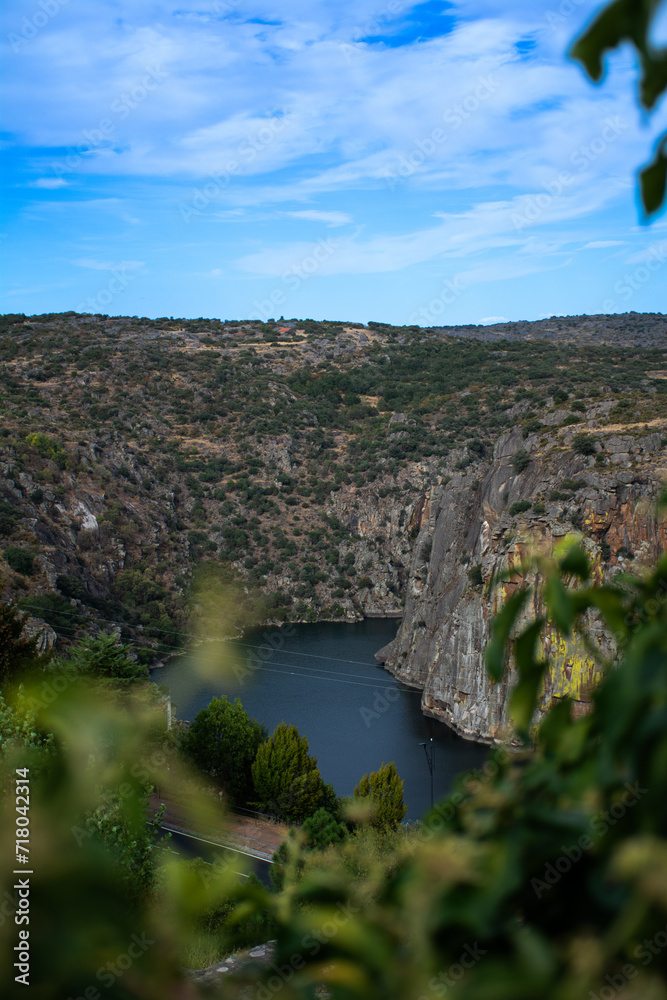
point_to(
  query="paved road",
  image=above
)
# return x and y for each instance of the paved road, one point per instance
(200, 847)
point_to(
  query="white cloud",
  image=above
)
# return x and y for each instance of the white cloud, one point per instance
(490, 320)
(50, 183)
(332, 219)
(106, 265)
(601, 244)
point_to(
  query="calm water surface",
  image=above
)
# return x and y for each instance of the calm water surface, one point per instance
(323, 678)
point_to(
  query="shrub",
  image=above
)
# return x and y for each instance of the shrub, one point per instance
(8, 518)
(45, 446)
(584, 444)
(71, 586)
(532, 426)
(475, 575)
(519, 507)
(85, 540)
(520, 460)
(573, 484)
(20, 560)
(54, 610)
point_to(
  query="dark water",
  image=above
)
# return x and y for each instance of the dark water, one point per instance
(323, 678)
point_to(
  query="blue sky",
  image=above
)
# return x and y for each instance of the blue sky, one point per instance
(433, 163)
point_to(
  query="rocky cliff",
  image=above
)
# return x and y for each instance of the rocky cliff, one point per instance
(473, 527)
(331, 471)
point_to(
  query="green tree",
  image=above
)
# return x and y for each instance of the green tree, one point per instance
(17, 652)
(286, 778)
(384, 789)
(223, 742)
(322, 829)
(104, 657)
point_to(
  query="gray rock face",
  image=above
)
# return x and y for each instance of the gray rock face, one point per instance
(467, 535)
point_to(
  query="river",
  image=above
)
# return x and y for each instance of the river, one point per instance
(323, 678)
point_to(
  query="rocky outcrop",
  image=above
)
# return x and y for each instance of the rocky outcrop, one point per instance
(468, 533)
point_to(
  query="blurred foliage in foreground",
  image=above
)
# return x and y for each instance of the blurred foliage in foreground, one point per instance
(544, 874)
(637, 23)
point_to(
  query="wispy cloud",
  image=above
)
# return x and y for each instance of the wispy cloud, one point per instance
(332, 219)
(602, 244)
(107, 265)
(50, 183)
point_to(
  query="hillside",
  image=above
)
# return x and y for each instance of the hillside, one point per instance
(310, 460)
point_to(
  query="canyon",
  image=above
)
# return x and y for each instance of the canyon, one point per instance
(327, 472)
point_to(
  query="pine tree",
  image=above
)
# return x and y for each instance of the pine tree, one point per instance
(322, 829)
(287, 779)
(384, 788)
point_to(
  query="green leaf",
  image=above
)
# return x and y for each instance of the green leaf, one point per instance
(575, 561)
(653, 179)
(631, 21)
(500, 631)
(558, 603)
(617, 22)
(531, 670)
